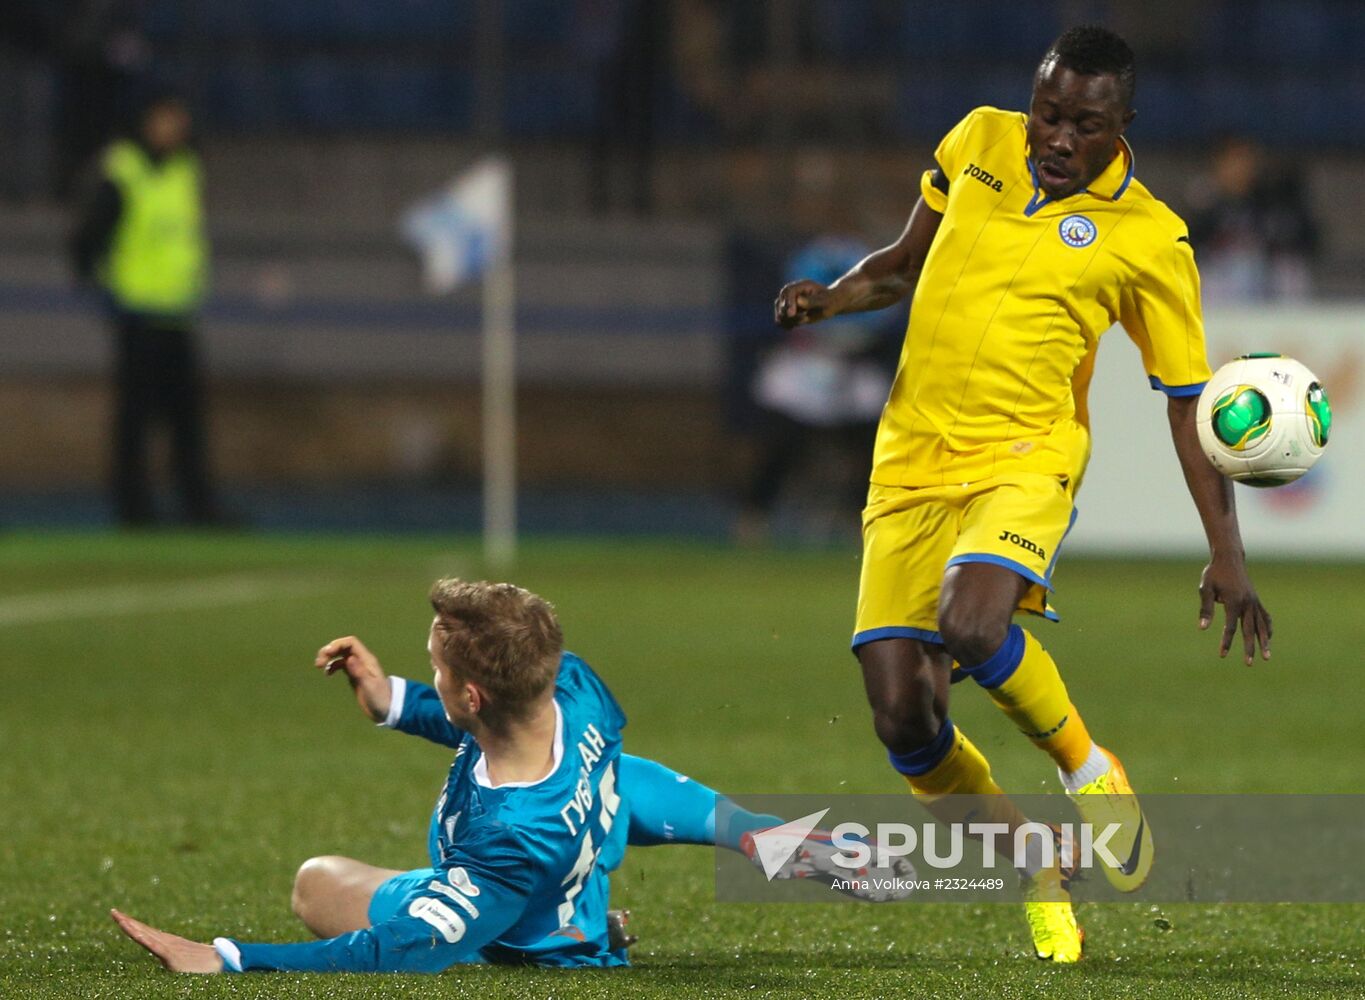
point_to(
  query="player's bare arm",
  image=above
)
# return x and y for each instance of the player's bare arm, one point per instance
(879, 280)
(1225, 580)
(362, 669)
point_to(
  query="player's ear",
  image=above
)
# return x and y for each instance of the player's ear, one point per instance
(475, 699)
(1128, 117)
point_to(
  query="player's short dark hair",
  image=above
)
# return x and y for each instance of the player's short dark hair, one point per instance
(1093, 50)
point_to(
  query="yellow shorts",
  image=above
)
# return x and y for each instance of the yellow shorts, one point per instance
(911, 535)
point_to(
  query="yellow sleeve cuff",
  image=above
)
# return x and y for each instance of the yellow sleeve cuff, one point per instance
(933, 197)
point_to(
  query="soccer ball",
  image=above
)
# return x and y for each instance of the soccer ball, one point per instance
(1263, 419)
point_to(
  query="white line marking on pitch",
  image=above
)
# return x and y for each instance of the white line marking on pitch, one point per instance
(131, 599)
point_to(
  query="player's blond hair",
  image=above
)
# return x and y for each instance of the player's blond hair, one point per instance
(505, 639)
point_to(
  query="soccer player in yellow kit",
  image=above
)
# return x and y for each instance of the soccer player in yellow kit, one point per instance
(1031, 237)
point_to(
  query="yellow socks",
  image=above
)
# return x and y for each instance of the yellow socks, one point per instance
(952, 766)
(1022, 679)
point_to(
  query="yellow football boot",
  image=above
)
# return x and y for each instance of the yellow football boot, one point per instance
(1109, 799)
(1051, 920)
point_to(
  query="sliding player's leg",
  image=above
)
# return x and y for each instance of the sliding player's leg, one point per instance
(334, 895)
(670, 808)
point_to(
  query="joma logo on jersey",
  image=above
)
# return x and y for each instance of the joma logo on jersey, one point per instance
(984, 176)
(1023, 543)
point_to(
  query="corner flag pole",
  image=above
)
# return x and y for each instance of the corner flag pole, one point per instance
(500, 397)
(465, 233)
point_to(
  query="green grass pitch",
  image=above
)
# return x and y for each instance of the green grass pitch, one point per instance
(169, 749)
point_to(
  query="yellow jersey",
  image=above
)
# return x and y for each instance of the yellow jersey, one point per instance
(1010, 305)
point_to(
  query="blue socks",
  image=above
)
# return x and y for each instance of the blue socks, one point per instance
(670, 808)
(924, 759)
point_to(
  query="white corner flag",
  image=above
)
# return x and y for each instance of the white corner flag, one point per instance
(464, 233)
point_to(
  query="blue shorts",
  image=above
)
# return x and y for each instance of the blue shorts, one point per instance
(392, 897)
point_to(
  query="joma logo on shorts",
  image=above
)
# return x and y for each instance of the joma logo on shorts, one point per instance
(1023, 543)
(984, 176)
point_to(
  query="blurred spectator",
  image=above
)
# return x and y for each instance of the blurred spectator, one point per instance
(827, 381)
(141, 240)
(1251, 229)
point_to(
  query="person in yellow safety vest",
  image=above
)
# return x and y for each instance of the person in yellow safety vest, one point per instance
(141, 241)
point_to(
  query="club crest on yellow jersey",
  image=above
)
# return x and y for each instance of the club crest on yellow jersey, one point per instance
(1077, 231)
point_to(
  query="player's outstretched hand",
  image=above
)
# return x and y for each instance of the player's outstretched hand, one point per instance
(802, 302)
(362, 668)
(174, 952)
(1226, 582)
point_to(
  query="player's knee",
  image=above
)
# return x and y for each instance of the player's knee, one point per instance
(309, 886)
(908, 703)
(905, 731)
(969, 638)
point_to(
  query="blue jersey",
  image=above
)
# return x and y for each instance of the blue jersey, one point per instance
(519, 870)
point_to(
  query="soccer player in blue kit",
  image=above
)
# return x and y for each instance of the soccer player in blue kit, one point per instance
(538, 808)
